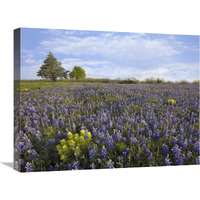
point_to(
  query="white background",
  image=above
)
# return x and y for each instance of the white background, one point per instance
(146, 16)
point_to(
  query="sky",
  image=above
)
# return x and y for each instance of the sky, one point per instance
(112, 54)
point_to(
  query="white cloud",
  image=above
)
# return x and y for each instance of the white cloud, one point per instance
(28, 73)
(113, 55)
(126, 48)
(29, 69)
(29, 61)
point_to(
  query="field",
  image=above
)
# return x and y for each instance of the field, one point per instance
(37, 85)
(69, 126)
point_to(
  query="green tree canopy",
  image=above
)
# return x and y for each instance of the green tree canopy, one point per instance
(77, 73)
(150, 80)
(51, 68)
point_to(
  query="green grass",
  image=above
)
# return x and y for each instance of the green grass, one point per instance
(38, 85)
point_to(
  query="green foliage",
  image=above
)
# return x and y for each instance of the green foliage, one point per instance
(159, 80)
(130, 81)
(51, 68)
(35, 85)
(150, 80)
(153, 80)
(183, 82)
(196, 82)
(77, 73)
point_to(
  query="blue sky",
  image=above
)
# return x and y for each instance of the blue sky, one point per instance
(112, 54)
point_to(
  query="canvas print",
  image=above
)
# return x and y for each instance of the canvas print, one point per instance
(96, 100)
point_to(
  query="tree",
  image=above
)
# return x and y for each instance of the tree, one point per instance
(196, 82)
(51, 68)
(160, 80)
(77, 73)
(130, 81)
(134, 80)
(183, 82)
(150, 80)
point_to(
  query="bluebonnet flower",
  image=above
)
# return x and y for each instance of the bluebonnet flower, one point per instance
(22, 142)
(104, 152)
(164, 150)
(176, 151)
(178, 156)
(138, 156)
(149, 133)
(97, 142)
(46, 145)
(175, 140)
(75, 165)
(94, 133)
(196, 133)
(57, 166)
(151, 159)
(143, 143)
(109, 142)
(173, 131)
(64, 135)
(29, 167)
(50, 168)
(32, 153)
(21, 162)
(38, 136)
(92, 153)
(180, 161)
(167, 161)
(90, 147)
(52, 141)
(185, 144)
(109, 164)
(197, 160)
(15, 152)
(117, 136)
(69, 167)
(26, 128)
(126, 152)
(57, 109)
(126, 165)
(133, 140)
(59, 135)
(196, 147)
(147, 152)
(123, 139)
(189, 154)
(194, 140)
(119, 127)
(156, 135)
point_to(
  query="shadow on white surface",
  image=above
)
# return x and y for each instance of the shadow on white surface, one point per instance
(9, 164)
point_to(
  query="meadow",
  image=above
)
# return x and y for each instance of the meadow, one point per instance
(32, 85)
(96, 125)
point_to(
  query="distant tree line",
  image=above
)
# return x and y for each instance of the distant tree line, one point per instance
(153, 80)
